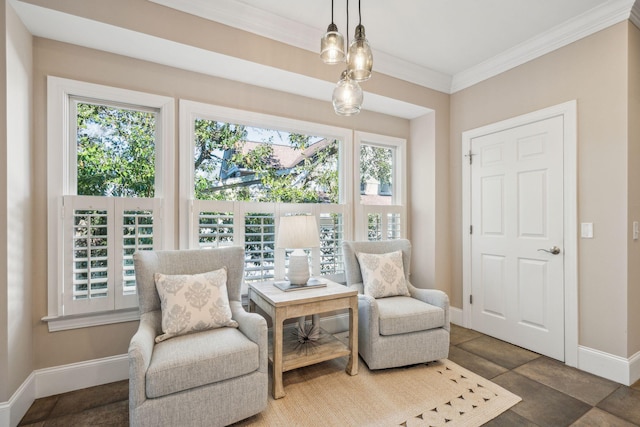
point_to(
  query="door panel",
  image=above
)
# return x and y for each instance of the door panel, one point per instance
(517, 212)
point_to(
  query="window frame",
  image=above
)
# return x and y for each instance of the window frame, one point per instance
(61, 94)
(192, 110)
(399, 181)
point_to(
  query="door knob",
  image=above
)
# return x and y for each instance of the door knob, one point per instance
(553, 251)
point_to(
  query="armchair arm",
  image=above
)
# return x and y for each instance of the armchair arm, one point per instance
(434, 297)
(140, 351)
(254, 327)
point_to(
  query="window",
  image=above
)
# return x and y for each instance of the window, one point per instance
(111, 191)
(381, 211)
(245, 171)
(106, 194)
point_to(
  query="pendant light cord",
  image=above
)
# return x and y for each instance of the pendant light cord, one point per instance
(359, 14)
(332, 11)
(347, 24)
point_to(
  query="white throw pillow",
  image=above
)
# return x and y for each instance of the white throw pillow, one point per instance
(192, 303)
(383, 274)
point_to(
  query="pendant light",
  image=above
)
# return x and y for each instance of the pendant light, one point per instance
(359, 57)
(347, 96)
(332, 44)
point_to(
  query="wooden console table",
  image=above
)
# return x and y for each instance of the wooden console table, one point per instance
(285, 354)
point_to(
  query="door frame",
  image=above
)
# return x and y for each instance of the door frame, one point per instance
(568, 111)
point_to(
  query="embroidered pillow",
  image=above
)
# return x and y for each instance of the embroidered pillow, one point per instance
(383, 274)
(192, 303)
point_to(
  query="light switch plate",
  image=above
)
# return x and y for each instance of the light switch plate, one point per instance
(636, 230)
(586, 230)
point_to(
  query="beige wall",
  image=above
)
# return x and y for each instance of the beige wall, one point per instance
(429, 201)
(69, 61)
(633, 325)
(16, 145)
(593, 72)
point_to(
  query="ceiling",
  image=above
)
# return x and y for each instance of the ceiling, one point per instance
(446, 45)
(443, 44)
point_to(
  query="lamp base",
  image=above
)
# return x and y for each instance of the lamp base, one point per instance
(298, 273)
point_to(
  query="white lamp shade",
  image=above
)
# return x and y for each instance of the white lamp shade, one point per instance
(298, 232)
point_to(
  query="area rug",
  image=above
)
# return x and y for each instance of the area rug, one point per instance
(434, 394)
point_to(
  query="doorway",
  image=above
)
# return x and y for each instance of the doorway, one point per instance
(519, 231)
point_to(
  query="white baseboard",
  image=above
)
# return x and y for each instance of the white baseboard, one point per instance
(634, 368)
(11, 412)
(455, 316)
(609, 366)
(62, 379)
(336, 323)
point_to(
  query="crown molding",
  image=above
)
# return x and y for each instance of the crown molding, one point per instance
(588, 23)
(635, 14)
(263, 23)
(248, 18)
(97, 35)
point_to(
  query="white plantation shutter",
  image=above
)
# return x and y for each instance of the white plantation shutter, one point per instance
(88, 244)
(394, 225)
(137, 222)
(214, 224)
(259, 246)
(223, 223)
(332, 233)
(102, 234)
(384, 222)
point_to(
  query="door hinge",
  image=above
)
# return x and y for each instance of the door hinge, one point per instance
(471, 229)
(470, 156)
(470, 299)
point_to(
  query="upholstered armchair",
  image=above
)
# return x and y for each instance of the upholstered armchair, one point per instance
(213, 377)
(404, 329)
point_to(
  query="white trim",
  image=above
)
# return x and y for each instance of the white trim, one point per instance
(399, 147)
(59, 128)
(609, 366)
(270, 25)
(456, 316)
(12, 411)
(590, 22)
(190, 110)
(264, 23)
(634, 368)
(336, 323)
(635, 15)
(75, 376)
(62, 379)
(64, 323)
(569, 112)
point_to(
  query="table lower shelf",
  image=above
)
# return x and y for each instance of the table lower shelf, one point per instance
(296, 355)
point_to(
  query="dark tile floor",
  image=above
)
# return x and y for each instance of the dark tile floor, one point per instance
(552, 393)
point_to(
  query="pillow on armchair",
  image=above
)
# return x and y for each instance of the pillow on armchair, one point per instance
(192, 303)
(383, 274)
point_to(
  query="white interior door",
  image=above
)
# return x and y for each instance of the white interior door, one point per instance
(517, 256)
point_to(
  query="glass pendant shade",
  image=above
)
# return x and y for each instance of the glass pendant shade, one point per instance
(332, 46)
(347, 96)
(359, 57)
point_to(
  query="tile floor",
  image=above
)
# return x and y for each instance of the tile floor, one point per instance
(552, 394)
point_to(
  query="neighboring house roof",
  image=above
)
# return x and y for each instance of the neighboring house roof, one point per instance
(287, 156)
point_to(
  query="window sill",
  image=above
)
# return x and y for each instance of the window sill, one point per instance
(63, 323)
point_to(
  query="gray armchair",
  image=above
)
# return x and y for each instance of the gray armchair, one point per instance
(208, 378)
(397, 330)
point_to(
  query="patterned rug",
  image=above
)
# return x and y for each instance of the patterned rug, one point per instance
(434, 394)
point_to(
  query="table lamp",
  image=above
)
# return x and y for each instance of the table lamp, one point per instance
(298, 232)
